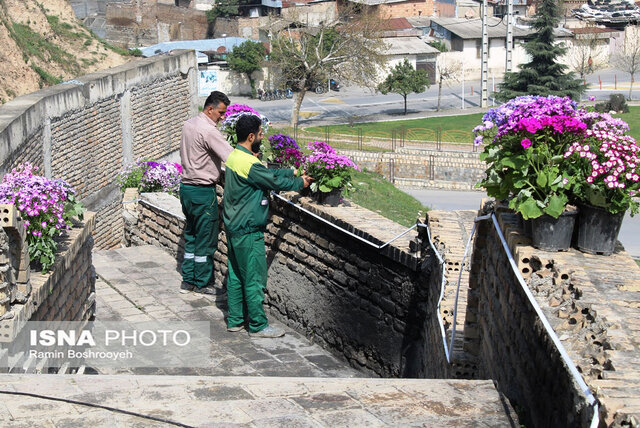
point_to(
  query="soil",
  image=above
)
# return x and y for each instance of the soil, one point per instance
(17, 66)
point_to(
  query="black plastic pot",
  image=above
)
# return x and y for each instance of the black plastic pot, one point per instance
(553, 234)
(273, 165)
(598, 230)
(331, 198)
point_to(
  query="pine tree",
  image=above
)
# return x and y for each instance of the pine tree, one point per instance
(543, 75)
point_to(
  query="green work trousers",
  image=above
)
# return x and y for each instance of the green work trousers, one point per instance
(200, 207)
(246, 280)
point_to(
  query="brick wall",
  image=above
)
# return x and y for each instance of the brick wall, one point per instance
(85, 132)
(374, 307)
(587, 300)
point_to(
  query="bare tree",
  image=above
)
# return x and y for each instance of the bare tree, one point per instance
(588, 53)
(447, 70)
(628, 59)
(347, 48)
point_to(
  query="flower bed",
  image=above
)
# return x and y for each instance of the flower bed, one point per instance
(151, 176)
(47, 207)
(235, 112)
(546, 152)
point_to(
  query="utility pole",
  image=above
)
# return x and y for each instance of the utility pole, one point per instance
(484, 97)
(509, 43)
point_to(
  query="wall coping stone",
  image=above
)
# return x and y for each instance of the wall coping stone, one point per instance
(68, 247)
(365, 224)
(164, 202)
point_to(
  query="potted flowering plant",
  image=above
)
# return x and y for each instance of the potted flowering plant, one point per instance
(235, 112)
(151, 176)
(331, 172)
(527, 138)
(284, 151)
(607, 180)
(46, 206)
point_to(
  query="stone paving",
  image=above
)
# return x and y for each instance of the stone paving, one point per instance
(142, 284)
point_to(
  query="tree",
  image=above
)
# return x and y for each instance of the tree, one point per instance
(587, 54)
(446, 69)
(628, 60)
(346, 48)
(224, 9)
(247, 58)
(403, 80)
(544, 74)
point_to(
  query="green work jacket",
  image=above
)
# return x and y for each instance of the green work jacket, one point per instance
(246, 191)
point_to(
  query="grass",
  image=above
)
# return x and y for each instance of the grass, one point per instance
(633, 119)
(638, 262)
(33, 44)
(455, 129)
(374, 192)
(46, 78)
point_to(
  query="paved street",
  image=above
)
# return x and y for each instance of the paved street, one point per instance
(362, 103)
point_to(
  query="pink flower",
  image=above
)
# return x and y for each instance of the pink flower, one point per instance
(525, 143)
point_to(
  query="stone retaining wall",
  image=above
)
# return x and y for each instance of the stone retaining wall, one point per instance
(412, 167)
(85, 131)
(65, 293)
(376, 308)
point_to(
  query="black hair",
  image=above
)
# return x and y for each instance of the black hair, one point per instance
(215, 98)
(247, 124)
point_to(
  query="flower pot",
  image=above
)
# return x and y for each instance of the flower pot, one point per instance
(553, 234)
(598, 230)
(273, 165)
(331, 198)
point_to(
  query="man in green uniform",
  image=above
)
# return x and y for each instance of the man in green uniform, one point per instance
(246, 204)
(203, 148)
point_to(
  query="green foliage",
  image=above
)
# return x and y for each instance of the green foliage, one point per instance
(32, 44)
(374, 192)
(64, 29)
(46, 78)
(247, 58)
(440, 45)
(544, 74)
(403, 80)
(224, 9)
(616, 102)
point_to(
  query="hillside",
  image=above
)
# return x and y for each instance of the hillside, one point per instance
(43, 44)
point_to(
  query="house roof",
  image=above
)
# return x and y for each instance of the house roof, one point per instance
(200, 46)
(396, 24)
(419, 21)
(592, 30)
(377, 2)
(408, 46)
(496, 27)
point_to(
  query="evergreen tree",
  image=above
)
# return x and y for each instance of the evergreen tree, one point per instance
(543, 75)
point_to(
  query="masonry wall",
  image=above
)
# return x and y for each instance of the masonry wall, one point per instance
(145, 23)
(65, 293)
(512, 343)
(86, 131)
(447, 169)
(376, 308)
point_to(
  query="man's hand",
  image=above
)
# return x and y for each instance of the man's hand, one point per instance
(307, 180)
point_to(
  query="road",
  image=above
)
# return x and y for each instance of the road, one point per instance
(459, 200)
(356, 103)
